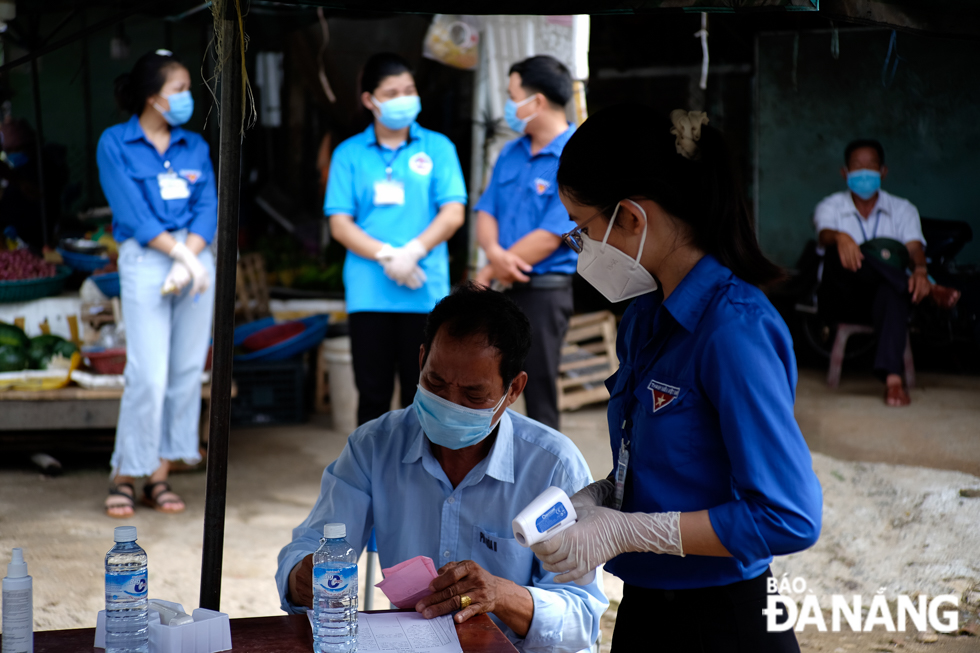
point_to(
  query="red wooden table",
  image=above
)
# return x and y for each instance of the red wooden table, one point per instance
(285, 634)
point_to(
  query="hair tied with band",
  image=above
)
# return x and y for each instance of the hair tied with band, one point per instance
(687, 129)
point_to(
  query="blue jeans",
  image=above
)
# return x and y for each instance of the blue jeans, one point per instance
(167, 340)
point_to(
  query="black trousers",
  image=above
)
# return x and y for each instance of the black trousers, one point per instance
(548, 310)
(877, 294)
(380, 343)
(722, 619)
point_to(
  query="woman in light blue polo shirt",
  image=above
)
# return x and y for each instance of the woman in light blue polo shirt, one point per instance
(160, 186)
(395, 195)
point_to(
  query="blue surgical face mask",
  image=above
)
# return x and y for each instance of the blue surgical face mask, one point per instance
(399, 112)
(17, 159)
(519, 125)
(451, 425)
(864, 183)
(181, 108)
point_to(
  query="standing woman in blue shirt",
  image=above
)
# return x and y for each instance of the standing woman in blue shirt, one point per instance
(160, 186)
(711, 475)
(395, 195)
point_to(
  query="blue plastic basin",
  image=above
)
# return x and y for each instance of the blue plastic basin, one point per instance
(316, 331)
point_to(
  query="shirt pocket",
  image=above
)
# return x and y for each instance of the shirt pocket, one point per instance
(502, 556)
(672, 421)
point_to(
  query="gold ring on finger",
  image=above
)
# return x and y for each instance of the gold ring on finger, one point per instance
(465, 601)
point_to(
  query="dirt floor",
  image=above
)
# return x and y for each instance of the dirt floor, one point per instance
(894, 518)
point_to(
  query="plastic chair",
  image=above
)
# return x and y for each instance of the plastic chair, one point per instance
(845, 331)
(372, 558)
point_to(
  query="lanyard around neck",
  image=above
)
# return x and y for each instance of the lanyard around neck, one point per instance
(874, 234)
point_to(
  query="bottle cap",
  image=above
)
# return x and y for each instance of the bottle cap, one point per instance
(125, 534)
(17, 567)
(334, 531)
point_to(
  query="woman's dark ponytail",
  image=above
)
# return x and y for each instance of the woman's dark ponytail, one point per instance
(625, 151)
(147, 77)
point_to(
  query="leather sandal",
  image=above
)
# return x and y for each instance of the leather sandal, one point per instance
(944, 297)
(152, 499)
(129, 503)
(896, 396)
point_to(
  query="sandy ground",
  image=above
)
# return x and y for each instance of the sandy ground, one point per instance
(899, 527)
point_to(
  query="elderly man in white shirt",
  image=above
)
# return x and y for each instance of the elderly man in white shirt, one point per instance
(876, 288)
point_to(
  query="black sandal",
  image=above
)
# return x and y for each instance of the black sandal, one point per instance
(114, 491)
(150, 498)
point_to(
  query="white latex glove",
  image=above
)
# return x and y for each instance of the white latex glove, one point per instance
(595, 494)
(178, 277)
(601, 534)
(401, 263)
(200, 276)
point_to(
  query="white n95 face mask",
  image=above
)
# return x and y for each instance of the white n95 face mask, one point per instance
(612, 272)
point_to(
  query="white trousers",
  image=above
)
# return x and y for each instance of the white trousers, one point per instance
(167, 339)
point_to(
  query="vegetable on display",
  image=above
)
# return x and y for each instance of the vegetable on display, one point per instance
(20, 264)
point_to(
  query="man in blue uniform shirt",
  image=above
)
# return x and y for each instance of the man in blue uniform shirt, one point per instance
(520, 220)
(448, 474)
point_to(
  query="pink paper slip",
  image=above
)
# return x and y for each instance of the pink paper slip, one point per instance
(407, 583)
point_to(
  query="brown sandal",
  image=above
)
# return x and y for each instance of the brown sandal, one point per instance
(130, 503)
(896, 396)
(152, 499)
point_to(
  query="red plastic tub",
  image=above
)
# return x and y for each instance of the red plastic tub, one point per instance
(109, 361)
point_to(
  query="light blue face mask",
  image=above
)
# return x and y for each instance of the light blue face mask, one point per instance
(181, 108)
(864, 183)
(519, 125)
(399, 112)
(451, 425)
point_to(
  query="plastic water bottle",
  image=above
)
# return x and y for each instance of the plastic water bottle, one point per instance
(125, 595)
(334, 593)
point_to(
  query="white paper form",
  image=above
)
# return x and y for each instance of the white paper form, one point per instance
(408, 632)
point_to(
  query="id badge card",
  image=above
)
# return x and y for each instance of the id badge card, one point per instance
(624, 461)
(389, 192)
(173, 187)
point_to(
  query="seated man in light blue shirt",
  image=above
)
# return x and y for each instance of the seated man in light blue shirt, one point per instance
(446, 476)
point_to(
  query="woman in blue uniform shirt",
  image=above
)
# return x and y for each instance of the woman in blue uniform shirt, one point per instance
(711, 475)
(395, 195)
(160, 186)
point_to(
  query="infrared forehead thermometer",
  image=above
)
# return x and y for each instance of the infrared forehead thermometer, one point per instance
(548, 515)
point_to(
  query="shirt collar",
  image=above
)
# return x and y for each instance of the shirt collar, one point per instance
(691, 297)
(555, 147)
(134, 132)
(883, 204)
(414, 133)
(500, 461)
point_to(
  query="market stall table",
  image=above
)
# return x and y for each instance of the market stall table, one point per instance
(282, 634)
(68, 408)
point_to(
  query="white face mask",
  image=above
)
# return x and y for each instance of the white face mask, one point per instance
(613, 273)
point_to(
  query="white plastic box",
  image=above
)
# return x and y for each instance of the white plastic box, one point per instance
(210, 632)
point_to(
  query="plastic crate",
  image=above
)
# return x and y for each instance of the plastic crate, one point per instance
(269, 392)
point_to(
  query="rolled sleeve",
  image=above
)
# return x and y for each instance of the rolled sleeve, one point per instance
(340, 197)
(555, 219)
(345, 497)
(123, 193)
(205, 203)
(825, 216)
(448, 182)
(488, 201)
(911, 224)
(566, 615)
(778, 505)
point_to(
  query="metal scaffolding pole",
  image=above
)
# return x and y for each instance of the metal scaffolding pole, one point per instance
(229, 165)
